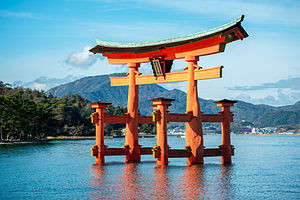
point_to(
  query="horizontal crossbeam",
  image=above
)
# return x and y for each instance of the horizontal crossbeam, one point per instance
(210, 73)
(183, 153)
(212, 118)
(173, 153)
(172, 117)
(116, 119)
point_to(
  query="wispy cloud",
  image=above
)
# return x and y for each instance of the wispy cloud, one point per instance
(291, 83)
(82, 59)
(279, 97)
(8, 13)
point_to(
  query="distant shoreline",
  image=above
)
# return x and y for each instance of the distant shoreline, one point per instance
(50, 138)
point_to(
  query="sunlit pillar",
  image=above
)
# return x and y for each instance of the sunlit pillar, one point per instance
(227, 116)
(161, 117)
(194, 134)
(131, 135)
(98, 119)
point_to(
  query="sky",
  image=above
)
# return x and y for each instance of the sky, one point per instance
(45, 43)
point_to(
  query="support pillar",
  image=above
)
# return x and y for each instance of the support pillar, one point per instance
(194, 134)
(226, 146)
(131, 135)
(161, 117)
(98, 119)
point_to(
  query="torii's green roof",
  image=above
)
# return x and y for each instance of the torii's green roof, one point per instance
(114, 47)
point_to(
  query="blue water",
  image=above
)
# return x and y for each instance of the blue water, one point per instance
(264, 167)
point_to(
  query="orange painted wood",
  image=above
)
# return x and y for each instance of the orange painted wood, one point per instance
(194, 133)
(212, 152)
(173, 153)
(146, 150)
(116, 119)
(210, 73)
(218, 48)
(131, 134)
(174, 117)
(212, 118)
(98, 149)
(206, 47)
(161, 105)
(124, 60)
(179, 153)
(114, 151)
(146, 120)
(226, 146)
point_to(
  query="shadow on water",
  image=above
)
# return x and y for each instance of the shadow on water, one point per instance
(147, 181)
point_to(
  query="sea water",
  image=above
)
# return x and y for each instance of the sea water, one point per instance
(264, 167)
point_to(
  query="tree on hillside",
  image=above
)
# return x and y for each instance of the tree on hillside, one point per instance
(22, 118)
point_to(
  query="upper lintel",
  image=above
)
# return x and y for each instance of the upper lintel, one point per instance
(202, 43)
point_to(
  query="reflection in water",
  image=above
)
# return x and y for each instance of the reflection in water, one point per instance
(161, 183)
(98, 181)
(225, 189)
(131, 184)
(193, 184)
(62, 170)
(146, 181)
(118, 181)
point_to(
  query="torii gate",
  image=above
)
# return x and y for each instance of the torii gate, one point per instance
(161, 54)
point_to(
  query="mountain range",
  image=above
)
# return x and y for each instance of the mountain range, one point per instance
(95, 88)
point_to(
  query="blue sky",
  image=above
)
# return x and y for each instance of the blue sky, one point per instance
(45, 43)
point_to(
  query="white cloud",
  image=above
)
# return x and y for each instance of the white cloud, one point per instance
(292, 83)
(82, 59)
(277, 97)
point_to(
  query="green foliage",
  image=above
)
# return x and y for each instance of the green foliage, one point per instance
(114, 129)
(31, 114)
(239, 128)
(147, 128)
(278, 118)
(22, 118)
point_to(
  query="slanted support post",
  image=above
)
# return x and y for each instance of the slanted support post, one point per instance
(131, 135)
(226, 146)
(160, 116)
(194, 134)
(98, 118)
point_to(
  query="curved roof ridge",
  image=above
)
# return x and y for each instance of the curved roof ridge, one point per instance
(171, 40)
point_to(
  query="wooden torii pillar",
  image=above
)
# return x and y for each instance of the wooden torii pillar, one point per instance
(98, 119)
(227, 116)
(131, 136)
(161, 117)
(161, 53)
(194, 133)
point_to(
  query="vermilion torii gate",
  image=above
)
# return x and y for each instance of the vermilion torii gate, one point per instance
(161, 54)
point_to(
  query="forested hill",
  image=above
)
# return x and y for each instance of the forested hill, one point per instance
(96, 88)
(27, 114)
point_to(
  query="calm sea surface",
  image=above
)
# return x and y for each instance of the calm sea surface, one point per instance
(264, 167)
